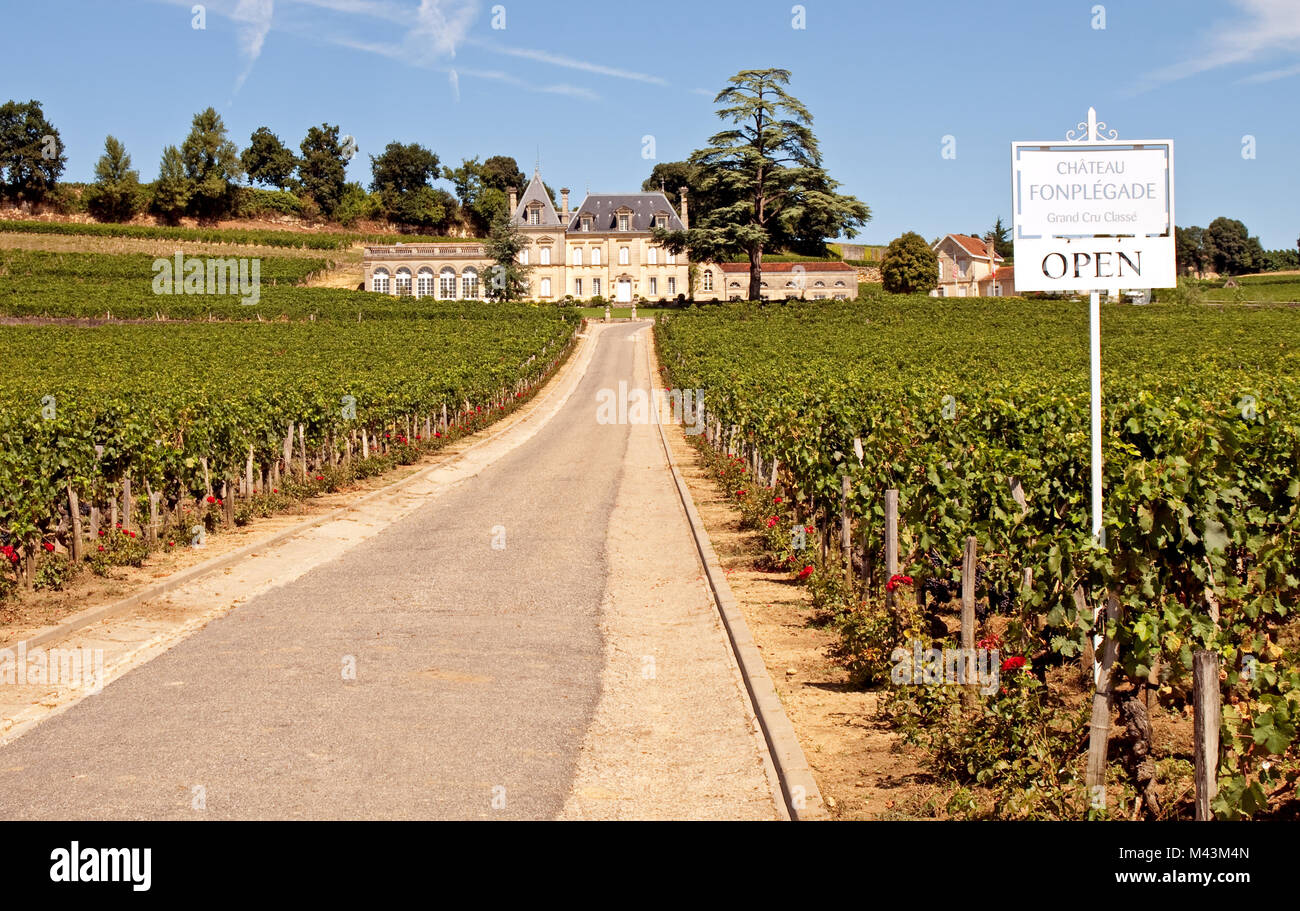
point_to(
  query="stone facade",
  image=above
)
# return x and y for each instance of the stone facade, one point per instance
(781, 281)
(969, 267)
(601, 248)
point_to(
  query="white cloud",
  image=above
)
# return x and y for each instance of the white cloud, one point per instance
(1272, 75)
(253, 18)
(571, 63)
(1265, 28)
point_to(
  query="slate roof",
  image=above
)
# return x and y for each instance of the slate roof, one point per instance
(603, 208)
(535, 192)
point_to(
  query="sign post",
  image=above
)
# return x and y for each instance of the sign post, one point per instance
(1093, 214)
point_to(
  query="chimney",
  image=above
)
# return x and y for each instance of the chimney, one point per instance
(564, 202)
(686, 223)
(514, 199)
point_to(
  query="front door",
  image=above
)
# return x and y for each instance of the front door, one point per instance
(624, 292)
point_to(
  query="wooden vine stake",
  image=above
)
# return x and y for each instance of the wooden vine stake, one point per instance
(969, 669)
(74, 510)
(891, 543)
(1205, 721)
(846, 534)
(1099, 729)
(1206, 717)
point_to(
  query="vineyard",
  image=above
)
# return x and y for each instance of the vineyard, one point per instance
(116, 438)
(244, 236)
(972, 421)
(35, 284)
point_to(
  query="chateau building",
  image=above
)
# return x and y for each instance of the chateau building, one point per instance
(970, 267)
(781, 281)
(601, 248)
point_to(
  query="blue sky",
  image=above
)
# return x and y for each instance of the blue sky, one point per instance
(585, 82)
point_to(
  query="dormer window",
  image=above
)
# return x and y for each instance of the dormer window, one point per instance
(534, 214)
(661, 221)
(623, 222)
(586, 222)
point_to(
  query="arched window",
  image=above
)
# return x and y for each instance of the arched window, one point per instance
(577, 256)
(523, 256)
(424, 283)
(379, 282)
(839, 284)
(653, 256)
(819, 284)
(469, 283)
(595, 256)
(546, 256)
(546, 287)
(403, 282)
(708, 279)
(672, 258)
(447, 283)
(623, 256)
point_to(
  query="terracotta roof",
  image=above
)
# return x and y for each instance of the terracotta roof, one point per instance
(1005, 273)
(834, 266)
(972, 245)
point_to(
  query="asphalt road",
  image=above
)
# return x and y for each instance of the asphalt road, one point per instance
(477, 669)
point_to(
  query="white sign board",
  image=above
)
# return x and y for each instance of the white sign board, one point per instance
(1093, 215)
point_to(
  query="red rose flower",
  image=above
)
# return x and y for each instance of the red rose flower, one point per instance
(48, 546)
(771, 521)
(1014, 663)
(211, 499)
(895, 581)
(805, 572)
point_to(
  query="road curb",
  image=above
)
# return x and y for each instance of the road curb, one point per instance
(105, 611)
(799, 791)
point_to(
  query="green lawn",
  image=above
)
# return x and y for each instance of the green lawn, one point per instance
(622, 312)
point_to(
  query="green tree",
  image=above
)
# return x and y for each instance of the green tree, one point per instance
(502, 172)
(482, 189)
(115, 194)
(31, 152)
(322, 169)
(1228, 247)
(212, 165)
(507, 279)
(1002, 244)
(1189, 249)
(268, 161)
(767, 179)
(171, 192)
(401, 176)
(909, 265)
(356, 204)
